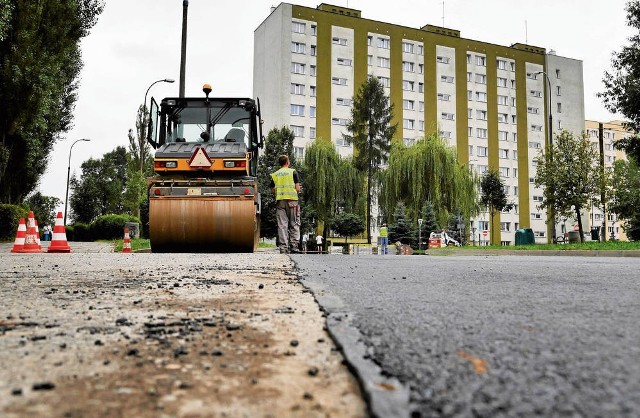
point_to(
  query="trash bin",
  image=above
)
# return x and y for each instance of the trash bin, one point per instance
(134, 229)
(524, 236)
(595, 234)
(574, 236)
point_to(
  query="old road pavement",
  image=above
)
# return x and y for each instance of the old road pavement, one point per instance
(486, 336)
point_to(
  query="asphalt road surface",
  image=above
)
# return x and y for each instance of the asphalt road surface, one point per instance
(494, 336)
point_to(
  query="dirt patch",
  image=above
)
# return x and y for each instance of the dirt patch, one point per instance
(187, 339)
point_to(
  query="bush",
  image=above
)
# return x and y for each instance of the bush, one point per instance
(110, 226)
(70, 230)
(9, 219)
(82, 232)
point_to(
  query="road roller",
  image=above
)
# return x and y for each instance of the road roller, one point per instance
(204, 194)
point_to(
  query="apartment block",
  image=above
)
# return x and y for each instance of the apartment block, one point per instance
(494, 104)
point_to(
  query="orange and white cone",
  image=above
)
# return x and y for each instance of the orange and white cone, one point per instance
(126, 245)
(59, 242)
(30, 241)
(18, 245)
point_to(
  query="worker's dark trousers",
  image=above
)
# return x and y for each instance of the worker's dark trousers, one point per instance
(288, 216)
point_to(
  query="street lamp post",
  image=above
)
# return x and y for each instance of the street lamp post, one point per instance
(66, 198)
(164, 80)
(552, 212)
(420, 234)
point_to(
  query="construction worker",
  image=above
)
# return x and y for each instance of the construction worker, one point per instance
(384, 238)
(285, 184)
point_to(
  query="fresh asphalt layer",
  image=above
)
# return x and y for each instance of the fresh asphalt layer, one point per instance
(486, 336)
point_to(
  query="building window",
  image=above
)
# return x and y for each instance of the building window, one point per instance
(408, 123)
(515, 175)
(502, 82)
(514, 119)
(420, 49)
(515, 154)
(481, 97)
(482, 169)
(421, 125)
(420, 68)
(339, 81)
(385, 81)
(536, 128)
(468, 58)
(536, 93)
(298, 152)
(298, 131)
(512, 84)
(369, 40)
(407, 85)
(408, 142)
(557, 73)
(314, 30)
(515, 137)
(533, 110)
(344, 61)
(469, 77)
(384, 62)
(341, 142)
(297, 68)
(314, 50)
(407, 66)
(369, 59)
(421, 106)
(502, 64)
(445, 134)
(383, 43)
(512, 65)
(446, 79)
(534, 145)
(420, 88)
(559, 107)
(343, 102)
(312, 70)
(298, 47)
(297, 88)
(481, 79)
(312, 91)
(503, 136)
(536, 216)
(312, 132)
(558, 91)
(504, 154)
(408, 104)
(469, 131)
(504, 226)
(442, 60)
(407, 47)
(297, 110)
(469, 113)
(297, 27)
(502, 100)
(339, 121)
(447, 116)
(481, 60)
(469, 95)
(481, 114)
(538, 199)
(312, 111)
(531, 76)
(444, 97)
(339, 41)
(482, 151)
(481, 132)
(470, 149)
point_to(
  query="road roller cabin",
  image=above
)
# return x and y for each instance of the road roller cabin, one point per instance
(204, 196)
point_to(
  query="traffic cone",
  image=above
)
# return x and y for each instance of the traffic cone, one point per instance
(30, 241)
(18, 245)
(59, 242)
(126, 245)
(38, 234)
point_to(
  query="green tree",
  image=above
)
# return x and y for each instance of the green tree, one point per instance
(622, 84)
(100, 188)
(493, 197)
(402, 229)
(347, 225)
(139, 148)
(371, 133)
(571, 165)
(279, 141)
(429, 221)
(428, 171)
(40, 65)
(43, 207)
(625, 201)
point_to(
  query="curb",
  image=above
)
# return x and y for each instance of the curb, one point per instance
(552, 253)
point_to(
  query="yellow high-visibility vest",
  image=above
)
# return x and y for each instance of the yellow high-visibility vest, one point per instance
(384, 233)
(285, 186)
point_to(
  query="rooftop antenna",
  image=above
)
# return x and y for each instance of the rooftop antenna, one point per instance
(443, 14)
(526, 33)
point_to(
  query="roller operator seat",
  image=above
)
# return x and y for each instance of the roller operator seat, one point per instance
(235, 135)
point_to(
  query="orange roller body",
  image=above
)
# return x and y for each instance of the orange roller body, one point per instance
(202, 225)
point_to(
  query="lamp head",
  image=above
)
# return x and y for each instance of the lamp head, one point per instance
(169, 80)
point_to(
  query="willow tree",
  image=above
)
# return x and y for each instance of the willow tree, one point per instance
(370, 133)
(330, 181)
(429, 171)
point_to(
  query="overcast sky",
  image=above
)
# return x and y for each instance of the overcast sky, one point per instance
(137, 42)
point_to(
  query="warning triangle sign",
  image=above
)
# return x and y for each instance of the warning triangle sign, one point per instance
(200, 159)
